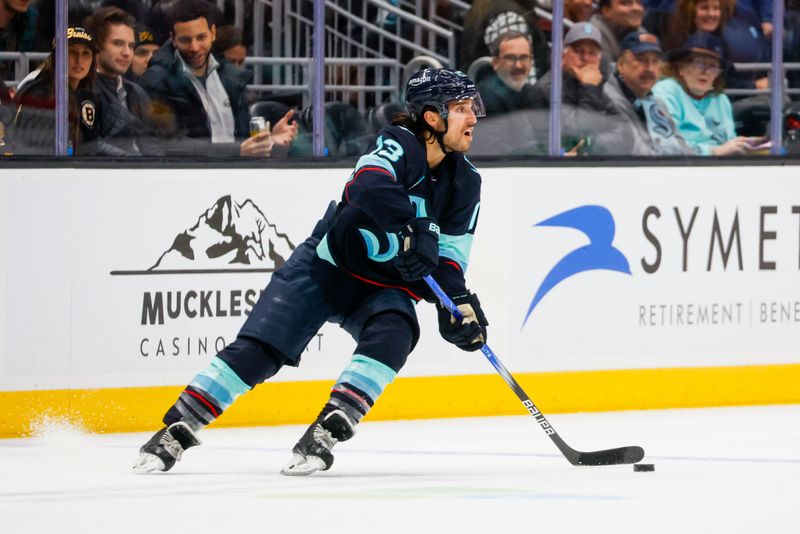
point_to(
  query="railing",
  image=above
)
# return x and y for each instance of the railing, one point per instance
(22, 63)
(356, 93)
(354, 29)
(762, 67)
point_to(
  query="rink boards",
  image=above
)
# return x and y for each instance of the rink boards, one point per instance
(606, 288)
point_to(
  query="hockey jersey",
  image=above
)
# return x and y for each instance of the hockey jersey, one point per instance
(389, 186)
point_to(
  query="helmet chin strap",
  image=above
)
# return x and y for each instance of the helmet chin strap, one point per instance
(440, 136)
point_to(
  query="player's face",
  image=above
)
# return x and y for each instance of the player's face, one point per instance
(193, 40)
(115, 57)
(461, 121)
(79, 62)
(513, 62)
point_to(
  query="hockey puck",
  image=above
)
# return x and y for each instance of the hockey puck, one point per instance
(644, 467)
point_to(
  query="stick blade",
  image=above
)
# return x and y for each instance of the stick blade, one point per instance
(622, 455)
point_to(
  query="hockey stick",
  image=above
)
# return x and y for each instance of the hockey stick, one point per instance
(621, 455)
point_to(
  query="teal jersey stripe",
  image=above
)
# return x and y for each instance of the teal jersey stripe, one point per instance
(376, 161)
(470, 164)
(221, 382)
(419, 204)
(324, 252)
(368, 375)
(456, 248)
(474, 220)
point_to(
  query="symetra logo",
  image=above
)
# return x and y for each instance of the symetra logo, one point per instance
(597, 223)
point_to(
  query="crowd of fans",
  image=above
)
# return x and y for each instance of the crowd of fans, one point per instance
(639, 77)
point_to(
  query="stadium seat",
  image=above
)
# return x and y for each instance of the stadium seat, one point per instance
(346, 131)
(381, 116)
(751, 116)
(480, 68)
(270, 110)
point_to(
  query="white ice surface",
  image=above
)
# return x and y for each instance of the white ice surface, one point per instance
(727, 471)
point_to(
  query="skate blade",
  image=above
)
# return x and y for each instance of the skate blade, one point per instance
(301, 466)
(147, 463)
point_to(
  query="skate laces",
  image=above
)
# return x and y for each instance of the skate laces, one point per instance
(323, 437)
(171, 445)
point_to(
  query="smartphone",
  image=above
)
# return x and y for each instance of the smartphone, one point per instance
(760, 143)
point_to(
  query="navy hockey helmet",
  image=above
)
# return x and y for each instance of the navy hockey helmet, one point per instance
(437, 87)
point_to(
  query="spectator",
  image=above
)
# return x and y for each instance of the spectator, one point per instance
(692, 16)
(615, 20)
(578, 10)
(34, 125)
(587, 114)
(144, 49)
(18, 25)
(229, 46)
(200, 102)
(488, 19)
(507, 88)
(731, 20)
(744, 42)
(692, 93)
(125, 107)
(630, 91)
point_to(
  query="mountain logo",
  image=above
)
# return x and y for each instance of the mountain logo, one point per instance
(227, 237)
(596, 223)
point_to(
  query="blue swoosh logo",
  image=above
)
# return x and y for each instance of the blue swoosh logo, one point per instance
(597, 223)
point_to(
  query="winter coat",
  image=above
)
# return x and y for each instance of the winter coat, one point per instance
(499, 98)
(586, 113)
(127, 128)
(20, 36)
(178, 113)
(652, 129)
(34, 124)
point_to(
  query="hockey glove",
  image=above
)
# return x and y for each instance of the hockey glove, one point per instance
(419, 254)
(470, 333)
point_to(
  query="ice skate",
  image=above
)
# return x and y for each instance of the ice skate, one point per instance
(165, 448)
(313, 452)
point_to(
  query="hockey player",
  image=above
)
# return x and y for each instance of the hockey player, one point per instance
(408, 210)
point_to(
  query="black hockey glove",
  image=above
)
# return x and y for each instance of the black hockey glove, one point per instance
(419, 249)
(470, 333)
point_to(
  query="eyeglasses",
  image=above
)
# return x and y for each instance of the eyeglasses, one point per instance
(511, 59)
(702, 66)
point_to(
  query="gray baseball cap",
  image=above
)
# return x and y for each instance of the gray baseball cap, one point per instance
(581, 31)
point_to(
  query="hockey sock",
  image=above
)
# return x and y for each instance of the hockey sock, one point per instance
(358, 387)
(207, 396)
